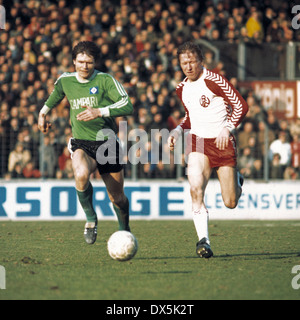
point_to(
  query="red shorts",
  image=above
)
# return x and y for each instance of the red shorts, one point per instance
(217, 158)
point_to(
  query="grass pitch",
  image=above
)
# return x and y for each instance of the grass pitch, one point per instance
(50, 260)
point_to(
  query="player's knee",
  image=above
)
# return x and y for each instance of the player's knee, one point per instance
(196, 192)
(231, 203)
(81, 176)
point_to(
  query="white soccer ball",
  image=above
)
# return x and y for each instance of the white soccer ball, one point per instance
(122, 246)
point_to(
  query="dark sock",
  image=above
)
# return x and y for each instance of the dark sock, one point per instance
(86, 201)
(123, 216)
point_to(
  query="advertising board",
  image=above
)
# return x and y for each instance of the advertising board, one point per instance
(57, 200)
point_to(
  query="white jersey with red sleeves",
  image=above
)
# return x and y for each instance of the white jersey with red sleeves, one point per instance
(211, 103)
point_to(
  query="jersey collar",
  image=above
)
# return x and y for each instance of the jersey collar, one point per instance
(203, 75)
(89, 79)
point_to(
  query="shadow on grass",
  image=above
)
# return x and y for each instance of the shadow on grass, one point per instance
(262, 255)
(167, 272)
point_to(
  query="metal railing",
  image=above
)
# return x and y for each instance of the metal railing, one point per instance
(253, 61)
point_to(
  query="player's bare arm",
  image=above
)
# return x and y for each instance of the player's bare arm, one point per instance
(43, 124)
(89, 114)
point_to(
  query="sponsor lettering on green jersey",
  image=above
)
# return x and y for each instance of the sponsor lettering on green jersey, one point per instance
(102, 91)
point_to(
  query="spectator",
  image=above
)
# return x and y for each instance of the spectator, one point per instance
(243, 36)
(230, 32)
(68, 173)
(144, 118)
(16, 173)
(295, 150)
(145, 171)
(273, 122)
(268, 18)
(252, 144)
(63, 158)
(246, 162)
(261, 138)
(19, 156)
(162, 171)
(274, 33)
(30, 171)
(174, 119)
(219, 68)
(276, 169)
(182, 30)
(254, 25)
(290, 174)
(210, 62)
(48, 159)
(295, 127)
(257, 170)
(284, 126)
(287, 31)
(282, 149)
(244, 135)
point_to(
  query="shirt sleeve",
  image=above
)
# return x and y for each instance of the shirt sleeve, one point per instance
(121, 105)
(56, 95)
(185, 123)
(237, 107)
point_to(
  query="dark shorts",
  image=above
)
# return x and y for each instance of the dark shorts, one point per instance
(106, 153)
(217, 158)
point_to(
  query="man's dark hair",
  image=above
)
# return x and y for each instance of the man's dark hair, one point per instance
(87, 47)
(192, 47)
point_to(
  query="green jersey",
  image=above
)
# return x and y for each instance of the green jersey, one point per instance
(102, 91)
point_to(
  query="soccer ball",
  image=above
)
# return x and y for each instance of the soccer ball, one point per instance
(122, 245)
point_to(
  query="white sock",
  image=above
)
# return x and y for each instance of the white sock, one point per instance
(200, 218)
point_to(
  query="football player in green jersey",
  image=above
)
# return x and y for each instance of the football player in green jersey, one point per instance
(95, 99)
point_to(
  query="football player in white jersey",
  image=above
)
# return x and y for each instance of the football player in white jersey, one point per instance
(214, 108)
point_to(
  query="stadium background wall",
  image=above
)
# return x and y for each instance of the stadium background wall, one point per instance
(57, 200)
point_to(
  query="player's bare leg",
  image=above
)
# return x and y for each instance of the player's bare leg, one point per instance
(230, 188)
(199, 172)
(114, 182)
(83, 166)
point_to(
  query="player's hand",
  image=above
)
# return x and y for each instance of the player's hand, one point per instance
(43, 125)
(171, 143)
(223, 139)
(89, 114)
(173, 137)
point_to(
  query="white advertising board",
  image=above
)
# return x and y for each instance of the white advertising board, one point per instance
(57, 200)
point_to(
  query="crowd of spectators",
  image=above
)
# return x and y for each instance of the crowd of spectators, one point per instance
(138, 41)
(283, 144)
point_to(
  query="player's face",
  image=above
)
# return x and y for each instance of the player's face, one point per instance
(191, 65)
(84, 65)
